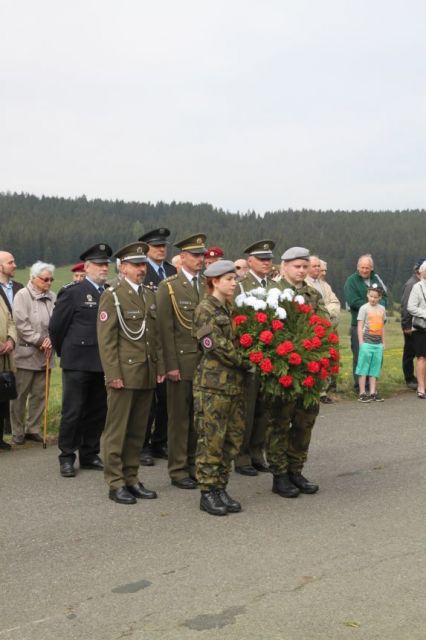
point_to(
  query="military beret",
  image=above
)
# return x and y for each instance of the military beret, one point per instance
(134, 252)
(77, 267)
(295, 253)
(193, 244)
(99, 253)
(219, 268)
(261, 249)
(214, 252)
(156, 236)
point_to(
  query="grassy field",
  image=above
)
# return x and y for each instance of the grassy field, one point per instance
(391, 381)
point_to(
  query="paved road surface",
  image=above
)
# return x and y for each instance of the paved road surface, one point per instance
(346, 563)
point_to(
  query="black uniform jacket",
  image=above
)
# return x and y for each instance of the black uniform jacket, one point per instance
(72, 327)
(151, 278)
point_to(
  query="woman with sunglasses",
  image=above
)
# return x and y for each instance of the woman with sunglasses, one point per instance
(32, 308)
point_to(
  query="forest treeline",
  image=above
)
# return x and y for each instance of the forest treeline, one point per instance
(59, 229)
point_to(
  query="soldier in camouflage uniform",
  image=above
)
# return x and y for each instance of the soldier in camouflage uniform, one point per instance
(289, 426)
(218, 391)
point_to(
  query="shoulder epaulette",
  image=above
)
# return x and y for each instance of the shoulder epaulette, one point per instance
(170, 278)
(70, 284)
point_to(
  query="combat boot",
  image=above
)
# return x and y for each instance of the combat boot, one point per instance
(232, 506)
(284, 487)
(302, 483)
(211, 502)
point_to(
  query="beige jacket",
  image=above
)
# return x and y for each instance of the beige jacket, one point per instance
(331, 301)
(31, 312)
(7, 330)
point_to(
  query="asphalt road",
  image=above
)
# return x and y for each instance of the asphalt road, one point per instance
(348, 562)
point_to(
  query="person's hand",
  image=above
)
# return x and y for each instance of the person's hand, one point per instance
(174, 375)
(161, 379)
(46, 345)
(407, 332)
(8, 346)
(118, 383)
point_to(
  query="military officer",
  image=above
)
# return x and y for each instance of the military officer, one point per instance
(128, 346)
(213, 254)
(177, 298)
(250, 459)
(289, 425)
(72, 330)
(157, 269)
(218, 390)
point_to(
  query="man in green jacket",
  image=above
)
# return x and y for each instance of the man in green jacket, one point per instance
(355, 289)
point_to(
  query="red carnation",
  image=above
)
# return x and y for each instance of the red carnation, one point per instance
(333, 338)
(267, 366)
(335, 369)
(261, 317)
(314, 367)
(308, 382)
(239, 320)
(294, 358)
(325, 362)
(246, 340)
(284, 348)
(307, 344)
(314, 319)
(277, 325)
(316, 342)
(286, 381)
(305, 308)
(319, 331)
(325, 322)
(333, 354)
(266, 337)
(324, 374)
(256, 356)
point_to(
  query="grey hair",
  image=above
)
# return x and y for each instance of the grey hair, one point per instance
(39, 266)
(422, 267)
(366, 255)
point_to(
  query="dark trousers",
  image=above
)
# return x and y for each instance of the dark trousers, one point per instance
(408, 356)
(156, 433)
(4, 413)
(84, 404)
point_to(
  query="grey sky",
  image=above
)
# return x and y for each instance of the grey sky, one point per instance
(245, 104)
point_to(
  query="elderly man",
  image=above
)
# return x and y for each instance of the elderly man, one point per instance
(177, 298)
(241, 267)
(289, 426)
(157, 269)
(355, 289)
(72, 330)
(131, 358)
(408, 354)
(250, 459)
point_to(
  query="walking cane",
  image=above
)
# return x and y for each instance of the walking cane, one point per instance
(46, 399)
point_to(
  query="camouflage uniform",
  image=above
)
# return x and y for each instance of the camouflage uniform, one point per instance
(289, 425)
(218, 395)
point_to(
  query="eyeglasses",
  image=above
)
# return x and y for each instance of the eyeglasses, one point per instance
(45, 279)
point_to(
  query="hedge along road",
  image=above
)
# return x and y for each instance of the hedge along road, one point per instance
(348, 562)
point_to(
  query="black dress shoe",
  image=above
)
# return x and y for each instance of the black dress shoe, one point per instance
(284, 487)
(122, 496)
(211, 502)
(326, 400)
(146, 459)
(5, 445)
(261, 466)
(246, 470)
(95, 464)
(185, 483)
(161, 453)
(67, 470)
(35, 437)
(302, 483)
(232, 506)
(139, 491)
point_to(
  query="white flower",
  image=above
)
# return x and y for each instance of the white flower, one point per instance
(272, 299)
(299, 299)
(240, 300)
(281, 313)
(260, 292)
(287, 294)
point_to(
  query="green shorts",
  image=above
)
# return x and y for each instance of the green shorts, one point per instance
(370, 360)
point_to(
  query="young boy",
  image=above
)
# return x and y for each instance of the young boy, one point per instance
(371, 333)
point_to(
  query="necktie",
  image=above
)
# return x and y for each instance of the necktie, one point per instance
(140, 290)
(161, 273)
(263, 282)
(101, 290)
(195, 286)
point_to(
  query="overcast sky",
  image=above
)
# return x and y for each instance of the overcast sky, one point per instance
(246, 104)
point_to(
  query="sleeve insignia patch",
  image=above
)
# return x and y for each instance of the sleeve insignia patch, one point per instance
(207, 342)
(103, 316)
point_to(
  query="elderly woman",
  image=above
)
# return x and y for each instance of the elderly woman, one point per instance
(7, 345)
(417, 308)
(32, 308)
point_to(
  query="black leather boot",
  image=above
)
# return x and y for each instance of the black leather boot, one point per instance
(302, 483)
(232, 506)
(284, 487)
(211, 503)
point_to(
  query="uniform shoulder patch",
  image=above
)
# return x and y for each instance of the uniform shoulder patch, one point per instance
(207, 343)
(170, 278)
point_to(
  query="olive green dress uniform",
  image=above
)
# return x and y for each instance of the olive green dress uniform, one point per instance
(289, 425)
(176, 304)
(218, 394)
(137, 363)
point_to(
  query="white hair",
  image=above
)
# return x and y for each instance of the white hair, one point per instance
(422, 267)
(39, 266)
